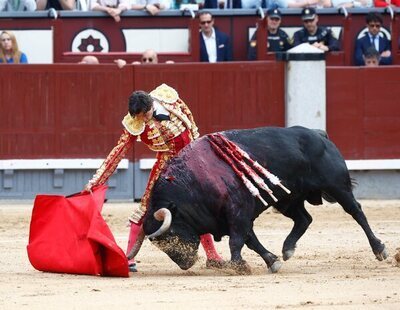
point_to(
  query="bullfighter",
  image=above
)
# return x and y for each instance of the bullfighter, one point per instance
(162, 121)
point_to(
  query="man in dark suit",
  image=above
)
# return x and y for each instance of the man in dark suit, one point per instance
(373, 38)
(214, 45)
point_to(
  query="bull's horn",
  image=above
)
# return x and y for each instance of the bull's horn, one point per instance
(138, 244)
(162, 215)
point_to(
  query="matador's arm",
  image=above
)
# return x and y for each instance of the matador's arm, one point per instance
(111, 162)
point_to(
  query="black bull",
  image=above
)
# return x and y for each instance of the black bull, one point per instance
(204, 195)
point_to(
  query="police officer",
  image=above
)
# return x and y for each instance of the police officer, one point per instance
(320, 37)
(278, 40)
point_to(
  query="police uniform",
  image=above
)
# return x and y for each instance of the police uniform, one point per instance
(323, 34)
(278, 42)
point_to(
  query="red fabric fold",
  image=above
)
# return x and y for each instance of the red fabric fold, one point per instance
(69, 235)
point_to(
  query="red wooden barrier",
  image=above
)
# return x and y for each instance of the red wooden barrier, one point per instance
(363, 115)
(75, 111)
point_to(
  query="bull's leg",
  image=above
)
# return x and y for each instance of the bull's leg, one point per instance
(302, 219)
(236, 243)
(270, 259)
(352, 207)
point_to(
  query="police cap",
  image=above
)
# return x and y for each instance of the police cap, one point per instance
(308, 14)
(274, 13)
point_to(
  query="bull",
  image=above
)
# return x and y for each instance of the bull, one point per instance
(198, 193)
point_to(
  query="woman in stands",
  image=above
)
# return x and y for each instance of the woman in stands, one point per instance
(9, 51)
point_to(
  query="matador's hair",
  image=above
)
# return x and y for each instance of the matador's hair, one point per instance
(139, 102)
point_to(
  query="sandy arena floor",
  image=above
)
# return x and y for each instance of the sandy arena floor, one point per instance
(333, 268)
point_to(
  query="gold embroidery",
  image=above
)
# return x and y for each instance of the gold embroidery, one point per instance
(111, 162)
(134, 125)
(159, 148)
(165, 93)
(162, 159)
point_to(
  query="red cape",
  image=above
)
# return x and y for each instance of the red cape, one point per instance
(69, 235)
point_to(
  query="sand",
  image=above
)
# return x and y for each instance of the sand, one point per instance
(333, 268)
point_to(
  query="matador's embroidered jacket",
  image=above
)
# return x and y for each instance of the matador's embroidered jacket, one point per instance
(166, 136)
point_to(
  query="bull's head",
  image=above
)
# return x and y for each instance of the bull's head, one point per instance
(177, 241)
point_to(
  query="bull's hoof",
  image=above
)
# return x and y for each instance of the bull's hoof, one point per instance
(241, 268)
(275, 267)
(382, 255)
(216, 264)
(287, 254)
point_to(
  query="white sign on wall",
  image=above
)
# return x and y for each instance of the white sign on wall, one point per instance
(161, 40)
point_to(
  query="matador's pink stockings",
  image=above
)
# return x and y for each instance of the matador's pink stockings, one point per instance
(208, 245)
(133, 234)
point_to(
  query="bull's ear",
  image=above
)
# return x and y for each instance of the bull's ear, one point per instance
(172, 207)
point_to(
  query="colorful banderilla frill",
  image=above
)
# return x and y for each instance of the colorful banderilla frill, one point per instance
(243, 165)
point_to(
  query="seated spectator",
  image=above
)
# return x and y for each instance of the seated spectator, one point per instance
(385, 3)
(278, 40)
(14, 6)
(371, 57)
(149, 56)
(89, 60)
(153, 7)
(214, 44)
(114, 8)
(58, 5)
(9, 51)
(284, 4)
(373, 37)
(320, 37)
(352, 3)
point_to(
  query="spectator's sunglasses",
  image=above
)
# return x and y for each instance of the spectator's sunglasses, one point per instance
(147, 59)
(205, 22)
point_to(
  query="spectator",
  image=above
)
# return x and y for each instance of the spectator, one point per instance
(20, 5)
(89, 60)
(385, 3)
(352, 3)
(58, 5)
(293, 4)
(214, 44)
(153, 7)
(278, 40)
(320, 37)
(371, 57)
(373, 37)
(9, 52)
(149, 56)
(114, 8)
